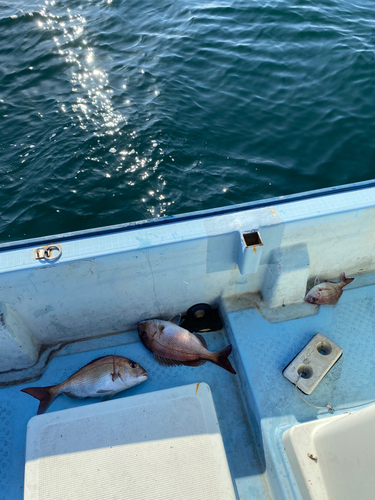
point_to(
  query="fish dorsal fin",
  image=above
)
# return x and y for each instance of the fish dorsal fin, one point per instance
(166, 361)
(115, 373)
(93, 361)
(201, 339)
(173, 362)
(176, 319)
(316, 281)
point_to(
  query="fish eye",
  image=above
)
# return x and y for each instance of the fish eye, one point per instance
(143, 334)
(133, 365)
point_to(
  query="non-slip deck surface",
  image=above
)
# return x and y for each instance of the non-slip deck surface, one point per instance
(263, 350)
(162, 445)
(266, 349)
(247, 473)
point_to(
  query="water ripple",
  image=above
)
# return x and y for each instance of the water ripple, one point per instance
(115, 111)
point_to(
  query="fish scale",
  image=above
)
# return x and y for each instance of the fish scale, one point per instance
(93, 381)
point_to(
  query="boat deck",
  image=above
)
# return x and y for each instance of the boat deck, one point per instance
(254, 408)
(263, 350)
(16, 408)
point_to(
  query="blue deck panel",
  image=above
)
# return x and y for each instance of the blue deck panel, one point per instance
(16, 408)
(263, 350)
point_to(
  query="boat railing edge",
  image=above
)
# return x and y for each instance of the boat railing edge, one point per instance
(212, 212)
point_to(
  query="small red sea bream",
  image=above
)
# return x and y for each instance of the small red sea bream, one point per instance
(102, 377)
(327, 292)
(173, 345)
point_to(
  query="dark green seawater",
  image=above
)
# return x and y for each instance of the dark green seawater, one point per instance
(116, 111)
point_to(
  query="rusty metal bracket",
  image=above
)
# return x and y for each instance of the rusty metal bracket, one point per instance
(47, 253)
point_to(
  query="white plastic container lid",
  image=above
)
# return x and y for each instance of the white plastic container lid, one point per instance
(333, 458)
(162, 445)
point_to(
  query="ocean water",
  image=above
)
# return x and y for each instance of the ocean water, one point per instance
(122, 110)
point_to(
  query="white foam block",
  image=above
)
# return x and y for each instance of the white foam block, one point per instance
(162, 445)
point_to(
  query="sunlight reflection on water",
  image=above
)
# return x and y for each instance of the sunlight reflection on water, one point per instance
(90, 82)
(94, 109)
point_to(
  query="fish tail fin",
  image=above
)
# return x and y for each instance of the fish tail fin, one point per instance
(345, 279)
(222, 359)
(45, 395)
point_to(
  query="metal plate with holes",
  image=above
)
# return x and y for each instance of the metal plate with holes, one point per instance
(312, 363)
